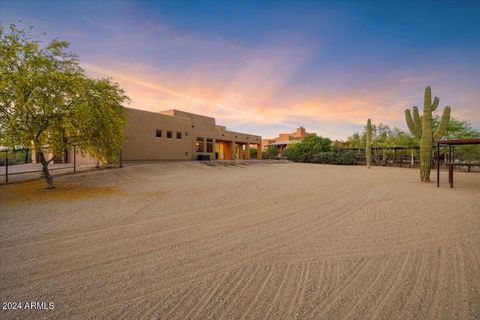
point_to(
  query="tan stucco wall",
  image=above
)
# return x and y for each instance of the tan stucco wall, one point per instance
(141, 142)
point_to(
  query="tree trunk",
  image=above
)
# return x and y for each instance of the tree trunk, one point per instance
(45, 172)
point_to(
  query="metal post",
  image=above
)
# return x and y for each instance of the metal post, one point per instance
(74, 158)
(450, 169)
(452, 165)
(449, 160)
(438, 165)
(6, 166)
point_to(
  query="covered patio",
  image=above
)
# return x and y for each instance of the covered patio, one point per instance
(451, 155)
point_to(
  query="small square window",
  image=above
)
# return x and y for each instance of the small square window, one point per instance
(186, 153)
(186, 134)
(169, 134)
(158, 133)
(179, 135)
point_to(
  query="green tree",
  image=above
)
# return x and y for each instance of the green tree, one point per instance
(253, 152)
(460, 129)
(382, 136)
(48, 104)
(354, 141)
(306, 150)
(457, 129)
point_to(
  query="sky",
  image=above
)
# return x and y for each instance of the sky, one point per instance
(269, 67)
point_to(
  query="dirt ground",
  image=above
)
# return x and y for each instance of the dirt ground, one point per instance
(182, 240)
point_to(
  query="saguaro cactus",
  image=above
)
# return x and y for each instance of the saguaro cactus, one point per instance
(422, 129)
(368, 144)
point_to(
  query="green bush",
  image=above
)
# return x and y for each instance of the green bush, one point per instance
(253, 152)
(306, 150)
(16, 157)
(270, 153)
(348, 157)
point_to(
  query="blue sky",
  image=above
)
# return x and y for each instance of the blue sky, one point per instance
(267, 67)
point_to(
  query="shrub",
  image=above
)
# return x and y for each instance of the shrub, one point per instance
(306, 150)
(253, 152)
(270, 153)
(348, 157)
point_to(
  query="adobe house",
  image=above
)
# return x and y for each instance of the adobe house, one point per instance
(284, 139)
(179, 135)
(175, 135)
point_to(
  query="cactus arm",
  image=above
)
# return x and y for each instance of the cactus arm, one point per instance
(411, 124)
(427, 99)
(442, 126)
(417, 120)
(435, 103)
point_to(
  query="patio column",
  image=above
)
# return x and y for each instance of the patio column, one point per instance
(232, 154)
(259, 151)
(247, 151)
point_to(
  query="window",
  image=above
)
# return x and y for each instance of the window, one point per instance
(186, 134)
(169, 134)
(186, 153)
(179, 135)
(200, 144)
(210, 145)
(158, 133)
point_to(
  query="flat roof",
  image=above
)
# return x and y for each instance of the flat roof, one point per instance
(279, 143)
(460, 141)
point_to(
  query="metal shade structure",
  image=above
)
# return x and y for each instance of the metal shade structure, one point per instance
(450, 143)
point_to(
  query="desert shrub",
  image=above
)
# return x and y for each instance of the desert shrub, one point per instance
(306, 150)
(348, 157)
(325, 157)
(270, 153)
(295, 152)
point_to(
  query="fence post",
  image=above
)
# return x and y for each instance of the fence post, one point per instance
(74, 158)
(6, 166)
(438, 165)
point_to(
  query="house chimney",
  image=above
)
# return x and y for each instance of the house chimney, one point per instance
(300, 131)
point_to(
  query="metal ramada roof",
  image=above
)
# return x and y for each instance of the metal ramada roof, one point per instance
(460, 141)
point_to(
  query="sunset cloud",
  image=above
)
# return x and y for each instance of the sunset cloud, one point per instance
(267, 69)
